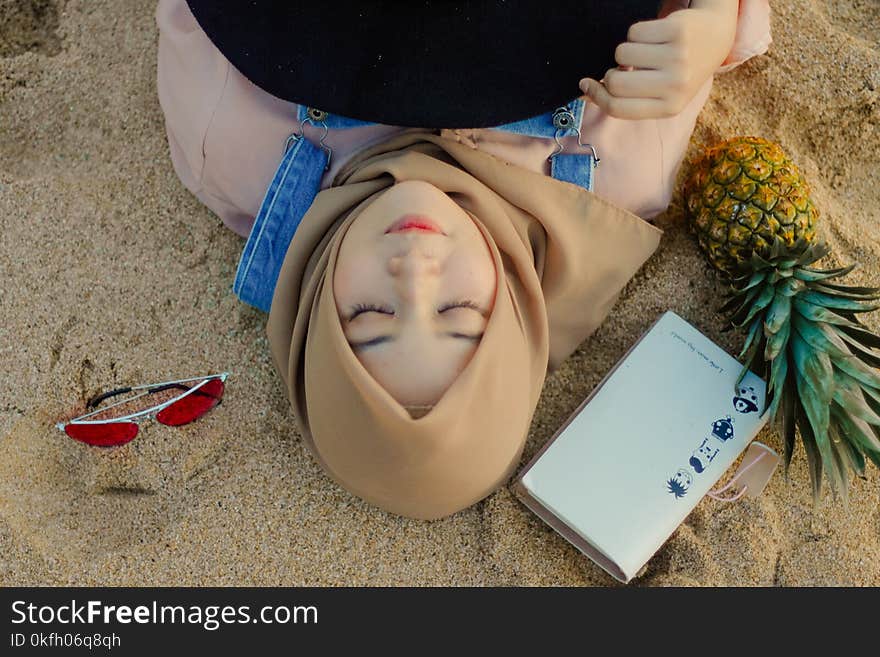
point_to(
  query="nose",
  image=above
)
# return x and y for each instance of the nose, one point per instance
(412, 270)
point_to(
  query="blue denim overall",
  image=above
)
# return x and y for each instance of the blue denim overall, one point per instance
(298, 179)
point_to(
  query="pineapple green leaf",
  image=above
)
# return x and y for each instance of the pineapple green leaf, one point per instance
(835, 335)
(853, 454)
(784, 265)
(829, 301)
(772, 409)
(742, 374)
(780, 275)
(814, 459)
(777, 248)
(800, 244)
(848, 393)
(840, 462)
(807, 274)
(856, 296)
(852, 289)
(756, 278)
(863, 335)
(858, 370)
(737, 318)
(778, 313)
(789, 406)
(758, 263)
(751, 340)
(818, 374)
(857, 459)
(763, 300)
(872, 396)
(853, 319)
(857, 432)
(738, 300)
(777, 342)
(863, 353)
(820, 337)
(814, 430)
(791, 286)
(778, 372)
(816, 251)
(820, 313)
(848, 315)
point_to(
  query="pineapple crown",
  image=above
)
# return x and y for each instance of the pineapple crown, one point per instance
(782, 258)
(819, 361)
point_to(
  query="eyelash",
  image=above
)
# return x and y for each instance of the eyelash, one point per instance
(369, 307)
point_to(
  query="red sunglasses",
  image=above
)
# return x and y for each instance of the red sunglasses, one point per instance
(193, 403)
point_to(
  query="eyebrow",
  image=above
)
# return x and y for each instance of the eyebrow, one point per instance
(366, 344)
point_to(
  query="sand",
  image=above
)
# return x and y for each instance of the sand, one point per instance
(114, 274)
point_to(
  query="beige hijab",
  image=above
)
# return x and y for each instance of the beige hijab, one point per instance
(562, 254)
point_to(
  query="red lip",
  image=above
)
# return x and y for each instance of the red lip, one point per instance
(414, 222)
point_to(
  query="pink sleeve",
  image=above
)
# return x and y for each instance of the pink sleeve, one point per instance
(752, 33)
(752, 29)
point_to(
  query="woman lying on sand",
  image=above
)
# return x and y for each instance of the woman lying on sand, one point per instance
(421, 282)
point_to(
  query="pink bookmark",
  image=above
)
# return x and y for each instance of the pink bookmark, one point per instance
(752, 475)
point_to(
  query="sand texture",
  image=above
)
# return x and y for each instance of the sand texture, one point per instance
(113, 274)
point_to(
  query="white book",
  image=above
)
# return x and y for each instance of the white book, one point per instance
(649, 442)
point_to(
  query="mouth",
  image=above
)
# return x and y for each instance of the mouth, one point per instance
(414, 222)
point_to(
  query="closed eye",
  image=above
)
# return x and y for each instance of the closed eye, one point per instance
(369, 307)
(466, 303)
(361, 308)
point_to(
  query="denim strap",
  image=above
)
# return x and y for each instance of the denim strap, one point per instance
(289, 196)
(542, 125)
(575, 168)
(333, 121)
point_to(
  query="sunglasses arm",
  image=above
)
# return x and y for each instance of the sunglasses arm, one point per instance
(152, 387)
(94, 401)
(97, 400)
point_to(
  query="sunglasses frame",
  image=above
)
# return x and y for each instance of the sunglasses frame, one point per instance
(147, 413)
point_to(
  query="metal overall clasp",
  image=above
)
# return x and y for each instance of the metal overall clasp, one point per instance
(563, 121)
(318, 118)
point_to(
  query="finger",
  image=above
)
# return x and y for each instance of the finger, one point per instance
(642, 55)
(662, 30)
(637, 84)
(623, 108)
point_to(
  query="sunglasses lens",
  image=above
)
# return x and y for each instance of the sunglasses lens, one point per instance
(193, 406)
(103, 435)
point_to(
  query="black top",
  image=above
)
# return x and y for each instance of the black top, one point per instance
(422, 63)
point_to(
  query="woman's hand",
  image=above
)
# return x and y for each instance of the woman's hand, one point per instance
(664, 62)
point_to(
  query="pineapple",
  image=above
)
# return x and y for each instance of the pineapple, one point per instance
(750, 209)
(742, 193)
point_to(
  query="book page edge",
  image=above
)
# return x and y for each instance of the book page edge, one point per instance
(593, 552)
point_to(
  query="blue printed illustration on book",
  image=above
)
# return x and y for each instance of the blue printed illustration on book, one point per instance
(678, 484)
(722, 431)
(745, 401)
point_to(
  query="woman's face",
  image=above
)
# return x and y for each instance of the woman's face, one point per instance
(413, 302)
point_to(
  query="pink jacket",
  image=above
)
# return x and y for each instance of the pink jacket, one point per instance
(226, 135)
